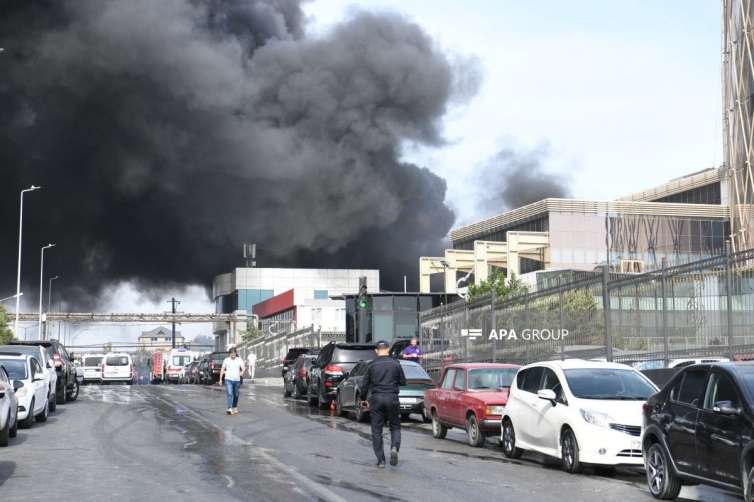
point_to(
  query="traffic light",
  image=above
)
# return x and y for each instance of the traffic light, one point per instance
(362, 301)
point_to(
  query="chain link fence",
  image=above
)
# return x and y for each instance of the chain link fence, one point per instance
(695, 310)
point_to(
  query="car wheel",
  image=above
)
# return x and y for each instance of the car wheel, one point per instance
(474, 434)
(42, 417)
(313, 399)
(14, 430)
(29, 420)
(569, 452)
(509, 441)
(61, 393)
(339, 407)
(439, 431)
(748, 487)
(663, 482)
(74, 393)
(297, 391)
(5, 432)
(53, 399)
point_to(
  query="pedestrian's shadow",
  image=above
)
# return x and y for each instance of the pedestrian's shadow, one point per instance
(7, 469)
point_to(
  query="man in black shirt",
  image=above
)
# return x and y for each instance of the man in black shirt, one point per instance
(381, 384)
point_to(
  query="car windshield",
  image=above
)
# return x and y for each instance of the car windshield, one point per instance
(92, 361)
(181, 360)
(117, 361)
(353, 355)
(15, 368)
(414, 372)
(491, 378)
(608, 383)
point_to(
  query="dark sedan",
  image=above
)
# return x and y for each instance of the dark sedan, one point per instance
(296, 380)
(411, 396)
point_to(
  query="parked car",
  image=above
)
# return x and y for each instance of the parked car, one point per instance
(211, 373)
(118, 367)
(192, 373)
(700, 429)
(67, 387)
(470, 396)
(45, 360)
(582, 412)
(30, 387)
(296, 380)
(410, 396)
(8, 408)
(292, 355)
(92, 365)
(333, 363)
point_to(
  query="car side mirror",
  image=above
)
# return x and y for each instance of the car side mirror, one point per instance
(548, 395)
(17, 384)
(726, 408)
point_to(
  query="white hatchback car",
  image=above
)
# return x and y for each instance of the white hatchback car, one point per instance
(8, 408)
(48, 367)
(582, 412)
(117, 367)
(32, 394)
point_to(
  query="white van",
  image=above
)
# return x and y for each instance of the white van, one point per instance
(92, 365)
(117, 367)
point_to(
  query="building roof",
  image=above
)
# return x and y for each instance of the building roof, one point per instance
(160, 331)
(677, 185)
(545, 206)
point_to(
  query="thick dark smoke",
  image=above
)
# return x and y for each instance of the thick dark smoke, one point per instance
(167, 133)
(515, 178)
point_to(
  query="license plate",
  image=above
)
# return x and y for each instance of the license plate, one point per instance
(407, 400)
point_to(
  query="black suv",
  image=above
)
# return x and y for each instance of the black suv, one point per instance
(700, 429)
(333, 364)
(209, 368)
(292, 355)
(68, 385)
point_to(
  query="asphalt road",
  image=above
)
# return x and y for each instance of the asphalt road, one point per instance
(176, 443)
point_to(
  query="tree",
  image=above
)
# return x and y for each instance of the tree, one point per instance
(497, 282)
(107, 347)
(251, 333)
(6, 335)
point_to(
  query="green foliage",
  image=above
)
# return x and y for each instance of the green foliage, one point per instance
(497, 282)
(6, 334)
(107, 347)
(251, 333)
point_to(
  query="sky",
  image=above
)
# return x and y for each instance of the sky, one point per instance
(620, 96)
(623, 96)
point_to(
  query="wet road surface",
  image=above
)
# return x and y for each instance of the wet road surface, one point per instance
(176, 443)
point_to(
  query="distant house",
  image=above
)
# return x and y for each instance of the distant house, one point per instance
(159, 339)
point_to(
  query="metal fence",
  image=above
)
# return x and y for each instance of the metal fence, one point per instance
(270, 350)
(703, 308)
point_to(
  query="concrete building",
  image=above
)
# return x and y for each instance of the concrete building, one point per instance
(243, 288)
(159, 339)
(292, 310)
(683, 220)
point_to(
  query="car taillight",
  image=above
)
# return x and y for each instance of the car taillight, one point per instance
(645, 407)
(56, 359)
(302, 372)
(211, 366)
(333, 369)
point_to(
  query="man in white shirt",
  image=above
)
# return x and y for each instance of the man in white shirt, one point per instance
(231, 372)
(252, 359)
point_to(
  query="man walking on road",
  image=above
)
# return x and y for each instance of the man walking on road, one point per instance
(252, 358)
(231, 372)
(381, 384)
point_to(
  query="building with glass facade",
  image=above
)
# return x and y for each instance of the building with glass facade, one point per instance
(683, 220)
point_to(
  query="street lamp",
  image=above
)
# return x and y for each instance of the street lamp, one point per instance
(18, 275)
(49, 298)
(10, 297)
(41, 286)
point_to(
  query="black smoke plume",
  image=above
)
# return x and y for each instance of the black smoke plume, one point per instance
(515, 178)
(167, 133)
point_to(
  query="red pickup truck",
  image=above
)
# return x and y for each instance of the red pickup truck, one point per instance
(471, 397)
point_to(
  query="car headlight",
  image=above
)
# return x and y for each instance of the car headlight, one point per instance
(22, 391)
(494, 410)
(596, 418)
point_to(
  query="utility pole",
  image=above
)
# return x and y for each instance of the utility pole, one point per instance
(173, 301)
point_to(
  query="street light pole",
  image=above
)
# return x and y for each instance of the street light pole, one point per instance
(18, 274)
(41, 286)
(49, 299)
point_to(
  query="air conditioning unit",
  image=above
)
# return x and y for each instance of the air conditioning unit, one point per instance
(632, 266)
